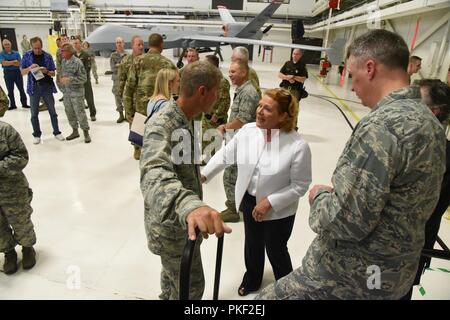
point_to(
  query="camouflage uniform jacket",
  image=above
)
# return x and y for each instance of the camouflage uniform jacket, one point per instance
(170, 190)
(74, 69)
(220, 108)
(13, 159)
(253, 77)
(245, 102)
(4, 102)
(122, 73)
(141, 80)
(114, 61)
(386, 185)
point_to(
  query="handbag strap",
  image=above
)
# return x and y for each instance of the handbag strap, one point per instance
(156, 108)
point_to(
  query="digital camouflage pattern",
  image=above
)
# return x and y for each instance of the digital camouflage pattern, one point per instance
(245, 102)
(244, 106)
(74, 92)
(15, 195)
(114, 61)
(171, 191)
(141, 80)
(386, 184)
(122, 73)
(4, 102)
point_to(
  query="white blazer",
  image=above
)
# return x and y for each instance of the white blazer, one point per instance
(284, 166)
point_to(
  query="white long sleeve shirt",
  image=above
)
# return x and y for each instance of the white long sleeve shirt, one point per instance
(283, 168)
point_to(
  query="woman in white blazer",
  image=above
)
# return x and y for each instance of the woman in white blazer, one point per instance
(274, 171)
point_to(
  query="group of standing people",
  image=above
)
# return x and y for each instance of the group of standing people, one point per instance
(370, 223)
(391, 177)
(72, 78)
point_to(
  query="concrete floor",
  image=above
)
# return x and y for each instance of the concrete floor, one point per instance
(88, 208)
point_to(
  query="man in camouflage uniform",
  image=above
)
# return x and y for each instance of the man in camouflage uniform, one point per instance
(114, 61)
(241, 54)
(192, 56)
(141, 79)
(64, 39)
(137, 49)
(15, 198)
(73, 77)
(219, 114)
(171, 186)
(371, 224)
(91, 53)
(86, 60)
(243, 110)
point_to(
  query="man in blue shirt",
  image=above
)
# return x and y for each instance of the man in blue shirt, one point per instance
(40, 87)
(10, 61)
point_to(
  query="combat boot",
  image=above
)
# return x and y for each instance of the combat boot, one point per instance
(73, 135)
(121, 118)
(10, 265)
(87, 138)
(230, 215)
(28, 257)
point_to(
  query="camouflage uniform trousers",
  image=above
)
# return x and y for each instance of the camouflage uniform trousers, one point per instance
(15, 221)
(170, 273)
(89, 96)
(117, 97)
(74, 107)
(296, 286)
(94, 69)
(229, 183)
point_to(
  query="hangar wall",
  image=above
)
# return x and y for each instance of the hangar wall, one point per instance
(405, 26)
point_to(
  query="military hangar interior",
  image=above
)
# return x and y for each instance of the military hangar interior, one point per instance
(88, 209)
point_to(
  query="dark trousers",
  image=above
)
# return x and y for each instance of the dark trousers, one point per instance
(271, 236)
(43, 91)
(14, 77)
(89, 95)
